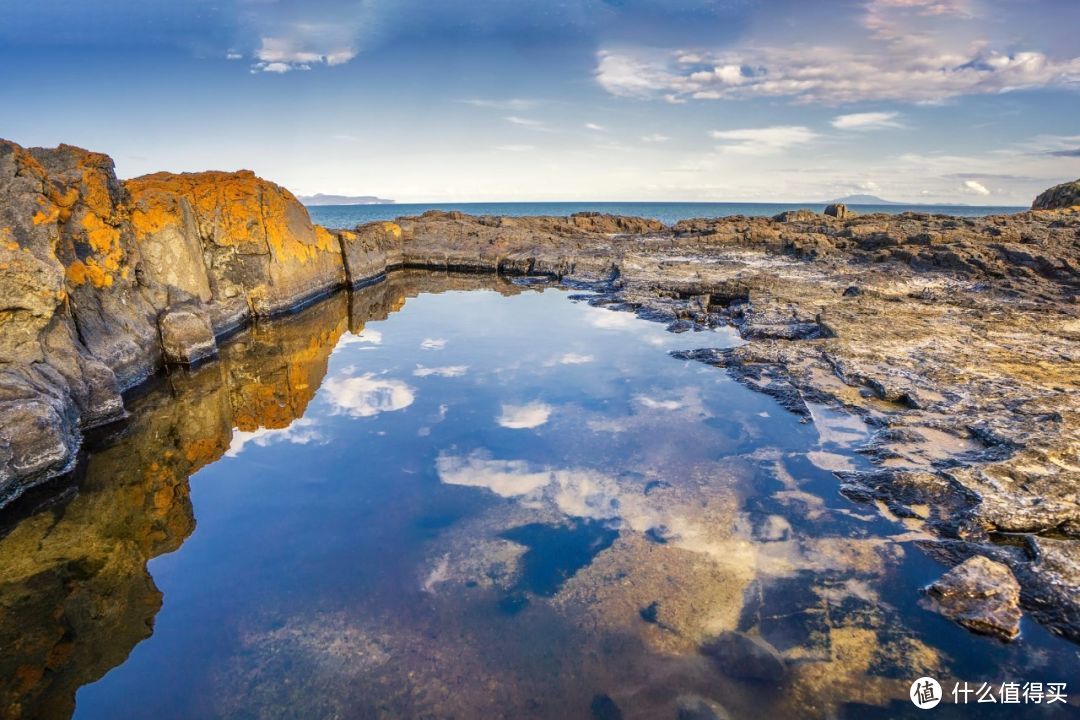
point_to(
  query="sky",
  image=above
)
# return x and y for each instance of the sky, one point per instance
(937, 101)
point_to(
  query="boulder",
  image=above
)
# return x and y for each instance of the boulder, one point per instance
(1065, 195)
(838, 211)
(186, 335)
(980, 594)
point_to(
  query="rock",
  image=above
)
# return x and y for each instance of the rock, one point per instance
(695, 707)
(838, 211)
(852, 291)
(240, 243)
(186, 335)
(370, 250)
(603, 707)
(980, 594)
(1065, 195)
(743, 656)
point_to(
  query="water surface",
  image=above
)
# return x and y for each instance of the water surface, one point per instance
(454, 496)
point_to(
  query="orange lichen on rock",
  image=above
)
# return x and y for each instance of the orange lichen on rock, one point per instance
(254, 237)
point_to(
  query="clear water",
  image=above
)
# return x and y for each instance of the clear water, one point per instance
(347, 216)
(453, 496)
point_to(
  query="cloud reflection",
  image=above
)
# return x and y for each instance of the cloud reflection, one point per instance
(368, 395)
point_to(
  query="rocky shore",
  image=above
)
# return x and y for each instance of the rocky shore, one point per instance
(955, 338)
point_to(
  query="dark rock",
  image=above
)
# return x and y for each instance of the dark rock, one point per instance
(852, 291)
(748, 657)
(980, 594)
(603, 707)
(838, 211)
(650, 613)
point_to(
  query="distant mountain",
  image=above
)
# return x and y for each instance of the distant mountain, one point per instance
(321, 199)
(864, 200)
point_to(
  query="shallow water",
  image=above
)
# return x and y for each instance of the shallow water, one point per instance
(347, 216)
(454, 496)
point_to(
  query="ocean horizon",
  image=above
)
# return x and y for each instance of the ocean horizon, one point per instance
(346, 216)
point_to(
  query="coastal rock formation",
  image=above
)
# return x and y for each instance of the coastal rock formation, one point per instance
(1065, 195)
(981, 595)
(954, 338)
(243, 245)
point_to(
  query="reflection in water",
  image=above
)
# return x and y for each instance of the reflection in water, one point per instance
(537, 515)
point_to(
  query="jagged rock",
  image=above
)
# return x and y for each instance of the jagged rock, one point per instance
(1065, 195)
(186, 335)
(748, 657)
(980, 594)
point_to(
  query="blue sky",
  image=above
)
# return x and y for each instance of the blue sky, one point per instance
(973, 101)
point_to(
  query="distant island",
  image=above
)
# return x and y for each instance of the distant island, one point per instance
(864, 200)
(321, 199)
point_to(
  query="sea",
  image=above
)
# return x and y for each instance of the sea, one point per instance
(346, 216)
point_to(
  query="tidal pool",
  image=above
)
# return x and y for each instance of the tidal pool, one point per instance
(455, 496)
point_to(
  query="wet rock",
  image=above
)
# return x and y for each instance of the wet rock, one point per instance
(980, 594)
(186, 335)
(748, 657)
(695, 707)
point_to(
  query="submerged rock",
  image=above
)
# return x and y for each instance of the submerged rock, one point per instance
(695, 707)
(980, 594)
(748, 657)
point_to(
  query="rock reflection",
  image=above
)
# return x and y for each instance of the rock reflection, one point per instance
(75, 592)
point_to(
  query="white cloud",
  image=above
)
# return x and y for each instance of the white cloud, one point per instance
(655, 138)
(612, 319)
(832, 74)
(449, 371)
(524, 417)
(763, 141)
(574, 359)
(285, 53)
(654, 404)
(433, 344)
(975, 187)
(506, 478)
(594, 126)
(368, 395)
(301, 432)
(524, 122)
(513, 104)
(371, 337)
(866, 121)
